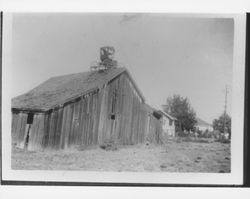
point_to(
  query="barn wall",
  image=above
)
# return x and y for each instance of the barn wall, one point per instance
(113, 113)
(74, 124)
(131, 118)
(19, 121)
(88, 121)
(36, 133)
(20, 130)
(154, 133)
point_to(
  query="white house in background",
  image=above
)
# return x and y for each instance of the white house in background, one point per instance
(168, 124)
(203, 126)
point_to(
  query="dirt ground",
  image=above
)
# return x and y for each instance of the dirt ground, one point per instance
(173, 156)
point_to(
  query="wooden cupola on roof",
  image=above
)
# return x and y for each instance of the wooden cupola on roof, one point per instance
(106, 59)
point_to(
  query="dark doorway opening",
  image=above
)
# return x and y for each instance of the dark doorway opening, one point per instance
(30, 118)
(27, 137)
(29, 123)
(112, 116)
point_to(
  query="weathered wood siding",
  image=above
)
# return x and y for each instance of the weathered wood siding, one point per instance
(121, 100)
(76, 123)
(36, 133)
(113, 113)
(154, 132)
(18, 128)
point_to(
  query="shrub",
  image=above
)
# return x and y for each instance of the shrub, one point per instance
(109, 146)
(195, 140)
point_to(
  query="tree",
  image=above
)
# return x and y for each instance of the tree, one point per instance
(223, 123)
(181, 109)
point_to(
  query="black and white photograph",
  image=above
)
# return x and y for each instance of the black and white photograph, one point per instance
(106, 96)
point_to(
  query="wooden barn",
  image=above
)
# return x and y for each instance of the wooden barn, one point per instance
(89, 108)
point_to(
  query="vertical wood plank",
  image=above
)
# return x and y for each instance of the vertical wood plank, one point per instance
(33, 133)
(102, 96)
(62, 137)
(96, 118)
(75, 123)
(81, 115)
(70, 131)
(14, 131)
(46, 130)
(84, 120)
(21, 129)
(37, 136)
(68, 125)
(58, 128)
(51, 130)
(90, 114)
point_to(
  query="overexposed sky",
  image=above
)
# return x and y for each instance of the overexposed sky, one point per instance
(166, 54)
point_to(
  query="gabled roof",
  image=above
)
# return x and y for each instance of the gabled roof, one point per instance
(149, 108)
(201, 122)
(59, 90)
(167, 115)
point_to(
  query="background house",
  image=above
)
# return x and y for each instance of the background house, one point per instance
(168, 124)
(203, 126)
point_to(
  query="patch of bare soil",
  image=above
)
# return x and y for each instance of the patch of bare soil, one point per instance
(173, 156)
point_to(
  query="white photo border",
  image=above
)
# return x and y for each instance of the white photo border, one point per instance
(233, 178)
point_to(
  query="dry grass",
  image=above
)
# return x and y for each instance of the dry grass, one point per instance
(197, 157)
(172, 157)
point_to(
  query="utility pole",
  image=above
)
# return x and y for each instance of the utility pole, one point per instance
(225, 111)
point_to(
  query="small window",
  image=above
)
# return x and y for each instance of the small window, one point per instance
(30, 118)
(112, 117)
(170, 122)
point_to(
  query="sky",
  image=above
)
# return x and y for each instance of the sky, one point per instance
(165, 54)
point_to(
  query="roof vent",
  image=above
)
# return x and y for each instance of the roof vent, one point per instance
(106, 59)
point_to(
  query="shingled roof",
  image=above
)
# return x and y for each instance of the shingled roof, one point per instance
(59, 90)
(167, 115)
